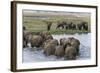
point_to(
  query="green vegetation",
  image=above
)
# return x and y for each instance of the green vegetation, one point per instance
(38, 24)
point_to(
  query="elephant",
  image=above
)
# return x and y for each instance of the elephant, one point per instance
(36, 41)
(53, 41)
(49, 46)
(49, 49)
(46, 35)
(24, 44)
(59, 51)
(67, 26)
(50, 41)
(26, 37)
(72, 26)
(75, 43)
(61, 24)
(24, 28)
(64, 42)
(45, 43)
(70, 53)
(49, 24)
(79, 26)
(83, 26)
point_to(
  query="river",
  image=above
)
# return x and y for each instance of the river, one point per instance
(29, 56)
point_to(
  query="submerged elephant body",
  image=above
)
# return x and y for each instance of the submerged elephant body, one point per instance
(49, 49)
(26, 37)
(49, 46)
(70, 53)
(65, 42)
(75, 43)
(36, 41)
(59, 51)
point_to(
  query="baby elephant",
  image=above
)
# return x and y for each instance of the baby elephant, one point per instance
(70, 53)
(59, 51)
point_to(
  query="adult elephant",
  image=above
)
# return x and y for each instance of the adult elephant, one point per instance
(36, 41)
(75, 43)
(79, 26)
(67, 26)
(49, 47)
(71, 41)
(59, 51)
(26, 37)
(49, 24)
(83, 26)
(24, 40)
(72, 26)
(45, 35)
(61, 25)
(50, 41)
(64, 42)
(70, 53)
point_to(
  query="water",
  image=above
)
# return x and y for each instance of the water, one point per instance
(30, 56)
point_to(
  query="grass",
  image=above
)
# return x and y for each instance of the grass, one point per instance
(34, 24)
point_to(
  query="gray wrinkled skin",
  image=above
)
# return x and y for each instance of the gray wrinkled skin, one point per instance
(36, 41)
(59, 51)
(70, 53)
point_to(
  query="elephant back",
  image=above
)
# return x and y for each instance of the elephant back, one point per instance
(59, 51)
(49, 49)
(70, 53)
(36, 41)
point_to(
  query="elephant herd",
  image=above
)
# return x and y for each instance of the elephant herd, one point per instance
(65, 47)
(72, 26)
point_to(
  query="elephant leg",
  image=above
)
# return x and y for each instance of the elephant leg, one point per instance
(24, 43)
(86, 28)
(62, 27)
